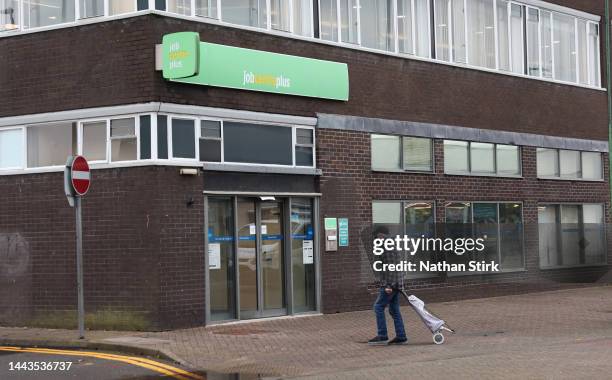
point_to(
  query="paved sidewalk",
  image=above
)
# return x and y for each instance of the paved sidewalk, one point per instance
(563, 334)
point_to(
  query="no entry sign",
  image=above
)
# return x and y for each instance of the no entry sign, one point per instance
(80, 175)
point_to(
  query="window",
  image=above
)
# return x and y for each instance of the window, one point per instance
(51, 144)
(503, 36)
(442, 29)
(377, 24)
(11, 148)
(569, 164)
(385, 152)
(349, 21)
(593, 54)
(546, 44)
(145, 137)
(280, 11)
(123, 139)
(458, 46)
(581, 50)
(9, 15)
(210, 140)
(302, 17)
(91, 8)
(401, 153)
(564, 47)
(245, 12)
(257, 144)
(304, 146)
(571, 235)
(481, 33)
(413, 27)
(501, 223)
(183, 138)
(462, 157)
(412, 218)
(182, 7)
(516, 39)
(116, 7)
(456, 156)
(533, 41)
(206, 8)
(328, 13)
(37, 13)
(94, 140)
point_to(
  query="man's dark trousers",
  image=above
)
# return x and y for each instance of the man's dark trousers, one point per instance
(391, 300)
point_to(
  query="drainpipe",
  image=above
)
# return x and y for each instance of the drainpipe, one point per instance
(609, 91)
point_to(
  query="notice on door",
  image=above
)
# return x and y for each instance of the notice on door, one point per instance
(308, 252)
(214, 256)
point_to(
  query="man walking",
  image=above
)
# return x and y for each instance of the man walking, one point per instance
(391, 284)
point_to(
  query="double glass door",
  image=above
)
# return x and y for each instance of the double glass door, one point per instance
(261, 256)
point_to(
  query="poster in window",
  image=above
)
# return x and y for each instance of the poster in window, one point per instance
(214, 256)
(308, 252)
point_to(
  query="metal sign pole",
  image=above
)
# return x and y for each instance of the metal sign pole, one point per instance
(79, 262)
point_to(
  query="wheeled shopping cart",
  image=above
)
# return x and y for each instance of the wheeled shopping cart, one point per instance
(433, 323)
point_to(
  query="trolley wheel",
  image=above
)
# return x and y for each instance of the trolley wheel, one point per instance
(438, 338)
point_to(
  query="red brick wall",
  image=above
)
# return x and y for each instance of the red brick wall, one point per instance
(349, 185)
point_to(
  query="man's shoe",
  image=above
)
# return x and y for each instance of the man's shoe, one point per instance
(398, 341)
(378, 341)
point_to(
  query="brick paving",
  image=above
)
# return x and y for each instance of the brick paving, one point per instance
(563, 334)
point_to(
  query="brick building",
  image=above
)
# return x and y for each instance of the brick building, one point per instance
(486, 113)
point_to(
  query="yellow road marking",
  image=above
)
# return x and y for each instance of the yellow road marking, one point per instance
(165, 369)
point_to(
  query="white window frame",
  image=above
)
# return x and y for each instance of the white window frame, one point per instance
(296, 144)
(196, 134)
(48, 167)
(24, 145)
(220, 138)
(106, 121)
(470, 172)
(110, 138)
(560, 177)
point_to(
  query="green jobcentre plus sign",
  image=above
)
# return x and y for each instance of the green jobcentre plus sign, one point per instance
(180, 54)
(253, 70)
(343, 232)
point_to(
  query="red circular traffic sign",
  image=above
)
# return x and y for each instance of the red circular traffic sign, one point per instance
(80, 175)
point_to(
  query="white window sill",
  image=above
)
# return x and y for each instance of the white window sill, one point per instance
(483, 175)
(570, 179)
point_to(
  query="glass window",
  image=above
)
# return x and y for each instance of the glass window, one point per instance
(546, 45)
(280, 15)
(245, 12)
(548, 223)
(503, 36)
(11, 148)
(9, 15)
(583, 65)
(548, 162)
(145, 137)
(386, 212)
(569, 161)
(404, 27)
(221, 268)
(38, 13)
(441, 12)
(511, 235)
(508, 160)
(458, 31)
(482, 158)
(303, 268)
(162, 136)
(258, 144)
(210, 141)
(328, 13)
(591, 165)
(533, 42)
(593, 54)
(206, 8)
(564, 47)
(385, 152)
(458, 212)
(417, 153)
(377, 24)
(116, 7)
(517, 45)
(94, 140)
(302, 17)
(304, 145)
(422, 26)
(91, 8)
(183, 138)
(481, 33)
(123, 140)
(486, 224)
(50, 145)
(349, 21)
(594, 234)
(182, 7)
(456, 156)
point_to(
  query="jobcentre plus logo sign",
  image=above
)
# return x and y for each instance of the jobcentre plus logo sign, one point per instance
(187, 60)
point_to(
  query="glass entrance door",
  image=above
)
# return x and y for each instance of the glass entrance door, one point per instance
(260, 258)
